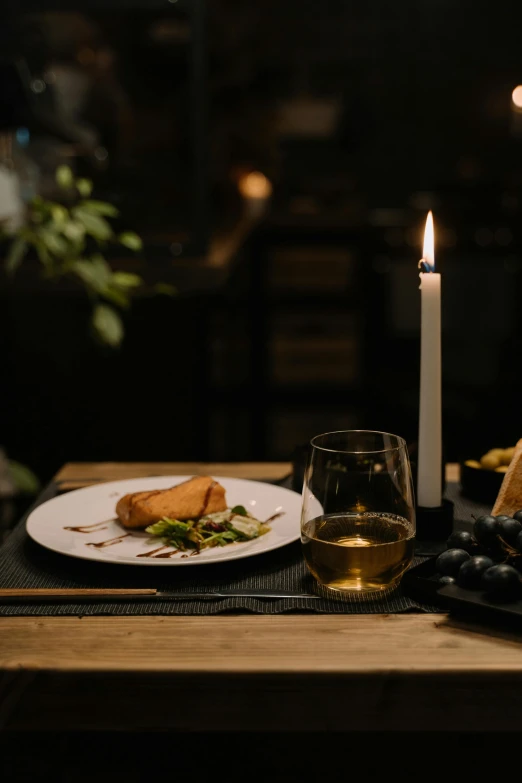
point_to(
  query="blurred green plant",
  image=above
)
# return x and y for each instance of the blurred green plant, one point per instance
(24, 480)
(69, 240)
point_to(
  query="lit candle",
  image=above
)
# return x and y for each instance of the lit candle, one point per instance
(256, 189)
(429, 477)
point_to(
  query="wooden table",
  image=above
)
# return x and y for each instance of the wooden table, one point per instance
(240, 672)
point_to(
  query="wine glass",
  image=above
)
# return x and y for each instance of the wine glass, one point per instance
(358, 518)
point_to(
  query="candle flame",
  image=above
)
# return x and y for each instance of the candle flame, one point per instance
(428, 253)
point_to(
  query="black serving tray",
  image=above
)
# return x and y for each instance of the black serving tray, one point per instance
(480, 485)
(421, 583)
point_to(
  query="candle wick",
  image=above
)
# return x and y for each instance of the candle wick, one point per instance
(425, 266)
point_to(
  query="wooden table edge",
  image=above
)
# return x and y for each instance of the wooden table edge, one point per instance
(30, 629)
(258, 673)
(396, 644)
(74, 475)
(398, 671)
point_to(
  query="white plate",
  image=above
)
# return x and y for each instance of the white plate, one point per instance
(95, 505)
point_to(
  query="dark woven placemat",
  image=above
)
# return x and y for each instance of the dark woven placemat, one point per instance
(25, 564)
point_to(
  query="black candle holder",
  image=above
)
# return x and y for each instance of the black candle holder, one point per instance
(435, 524)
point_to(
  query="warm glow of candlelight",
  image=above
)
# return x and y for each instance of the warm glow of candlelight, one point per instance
(516, 97)
(428, 253)
(255, 185)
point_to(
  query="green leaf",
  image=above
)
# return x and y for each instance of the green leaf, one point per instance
(40, 209)
(166, 527)
(95, 273)
(101, 264)
(95, 225)
(64, 177)
(74, 230)
(107, 325)
(230, 535)
(165, 288)
(43, 253)
(53, 241)
(88, 274)
(23, 478)
(15, 255)
(131, 240)
(241, 510)
(126, 280)
(116, 296)
(59, 214)
(100, 208)
(84, 187)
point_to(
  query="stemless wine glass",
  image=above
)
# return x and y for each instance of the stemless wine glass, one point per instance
(358, 519)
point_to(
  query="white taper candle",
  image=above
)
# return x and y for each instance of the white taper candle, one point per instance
(429, 478)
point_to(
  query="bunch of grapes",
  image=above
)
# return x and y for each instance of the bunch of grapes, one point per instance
(489, 560)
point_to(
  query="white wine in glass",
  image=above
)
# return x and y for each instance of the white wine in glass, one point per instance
(358, 521)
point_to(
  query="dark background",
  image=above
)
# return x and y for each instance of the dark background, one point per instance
(298, 314)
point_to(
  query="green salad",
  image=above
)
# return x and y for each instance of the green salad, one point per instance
(219, 529)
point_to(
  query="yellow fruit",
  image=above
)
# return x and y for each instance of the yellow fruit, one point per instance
(496, 453)
(490, 461)
(472, 463)
(502, 469)
(507, 455)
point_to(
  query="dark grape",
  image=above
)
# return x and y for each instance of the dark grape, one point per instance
(518, 516)
(486, 530)
(502, 517)
(470, 572)
(509, 529)
(517, 564)
(518, 543)
(449, 562)
(502, 581)
(447, 580)
(461, 540)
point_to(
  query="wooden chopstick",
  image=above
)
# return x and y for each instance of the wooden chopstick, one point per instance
(80, 592)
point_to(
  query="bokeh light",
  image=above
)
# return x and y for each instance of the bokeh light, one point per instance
(255, 185)
(516, 96)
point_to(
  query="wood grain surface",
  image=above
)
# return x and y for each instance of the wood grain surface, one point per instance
(409, 672)
(363, 673)
(82, 474)
(354, 644)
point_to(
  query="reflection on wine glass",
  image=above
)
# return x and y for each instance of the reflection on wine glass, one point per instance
(358, 518)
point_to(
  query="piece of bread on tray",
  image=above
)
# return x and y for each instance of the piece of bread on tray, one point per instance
(509, 498)
(188, 500)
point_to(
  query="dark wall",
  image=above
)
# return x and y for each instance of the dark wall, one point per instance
(316, 325)
(66, 398)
